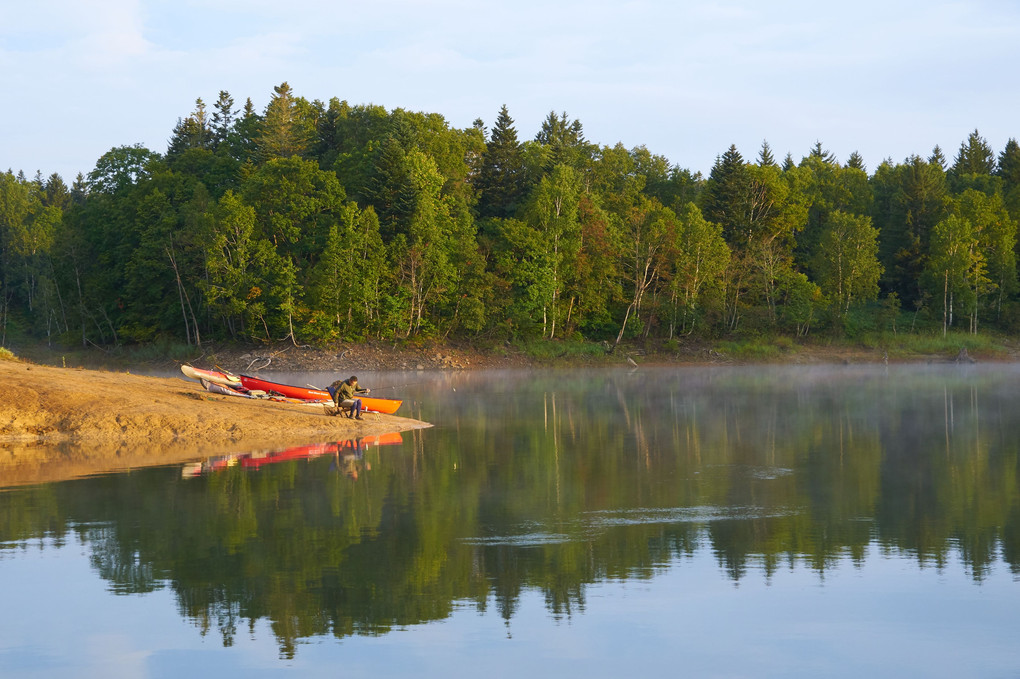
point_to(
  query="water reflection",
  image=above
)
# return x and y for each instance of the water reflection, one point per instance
(553, 482)
(347, 455)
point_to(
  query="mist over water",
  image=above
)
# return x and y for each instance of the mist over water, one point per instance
(796, 512)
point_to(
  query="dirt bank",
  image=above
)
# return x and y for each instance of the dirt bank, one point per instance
(58, 423)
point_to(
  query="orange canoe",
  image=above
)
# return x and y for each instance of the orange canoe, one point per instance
(387, 406)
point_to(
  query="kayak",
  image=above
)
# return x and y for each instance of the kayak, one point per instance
(214, 376)
(220, 389)
(387, 406)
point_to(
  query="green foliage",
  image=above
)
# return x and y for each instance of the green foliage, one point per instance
(288, 125)
(912, 345)
(501, 182)
(847, 260)
(338, 222)
(756, 349)
(700, 257)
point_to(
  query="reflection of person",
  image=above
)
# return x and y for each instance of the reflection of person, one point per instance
(347, 456)
(345, 395)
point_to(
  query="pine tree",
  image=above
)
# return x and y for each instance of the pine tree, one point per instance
(56, 193)
(856, 162)
(223, 118)
(193, 132)
(937, 157)
(284, 134)
(818, 152)
(390, 191)
(1009, 164)
(501, 182)
(565, 139)
(243, 144)
(975, 157)
(725, 182)
(765, 157)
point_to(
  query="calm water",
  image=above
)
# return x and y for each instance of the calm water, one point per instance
(843, 522)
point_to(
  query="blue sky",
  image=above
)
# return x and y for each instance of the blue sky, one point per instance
(888, 79)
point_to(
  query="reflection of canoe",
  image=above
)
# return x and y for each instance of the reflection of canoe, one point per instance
(256, 460)
(296, 453)
(308, 452)
(211, 375)
(392, 438)
(375, 405)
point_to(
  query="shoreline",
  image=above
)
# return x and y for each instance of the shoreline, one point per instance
(346, 359)
(62, 423)
(68, 421)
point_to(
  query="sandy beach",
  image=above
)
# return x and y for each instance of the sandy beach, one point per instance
(62, 423)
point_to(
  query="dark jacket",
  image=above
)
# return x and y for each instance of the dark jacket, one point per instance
(343, 390)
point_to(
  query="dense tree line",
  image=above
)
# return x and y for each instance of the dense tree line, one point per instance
(319, 222)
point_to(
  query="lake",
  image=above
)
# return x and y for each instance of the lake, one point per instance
(709, 522)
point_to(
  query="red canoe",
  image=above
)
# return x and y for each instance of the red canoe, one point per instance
(373, 405)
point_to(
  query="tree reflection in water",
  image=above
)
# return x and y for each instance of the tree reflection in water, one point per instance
(554, 481)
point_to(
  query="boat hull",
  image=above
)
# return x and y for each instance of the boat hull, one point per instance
(222, 390)
(387, 406)
(211, 375)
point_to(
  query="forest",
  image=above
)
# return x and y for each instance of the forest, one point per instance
(316, 223)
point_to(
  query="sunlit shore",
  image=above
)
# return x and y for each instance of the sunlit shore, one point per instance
(68, 422)
(414, 356)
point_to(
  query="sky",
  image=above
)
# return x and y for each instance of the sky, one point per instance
(685, 79)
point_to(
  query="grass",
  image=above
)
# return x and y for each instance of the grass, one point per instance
(905, 345)
(7, 355)
(545, 350)
(757, 349)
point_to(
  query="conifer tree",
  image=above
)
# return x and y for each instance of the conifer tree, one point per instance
(1008, 166)
(284, 133)
(223, 118)
(56, 193)
(243, 144)
(193, 132)
(725, 183)
(501, 182)
(856, 162)
(818, 152)
(765, 157)
(565, 139)
(390, 190)
(975, 157)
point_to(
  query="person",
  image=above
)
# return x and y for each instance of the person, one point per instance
(345, 395)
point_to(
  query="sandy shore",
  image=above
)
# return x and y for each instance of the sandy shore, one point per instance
(61, 423)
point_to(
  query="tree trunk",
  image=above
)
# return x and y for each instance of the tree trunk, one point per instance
(945, 303)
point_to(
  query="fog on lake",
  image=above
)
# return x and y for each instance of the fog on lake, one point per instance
(725, 521)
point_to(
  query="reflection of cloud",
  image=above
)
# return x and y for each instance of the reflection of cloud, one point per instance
(590, 524)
